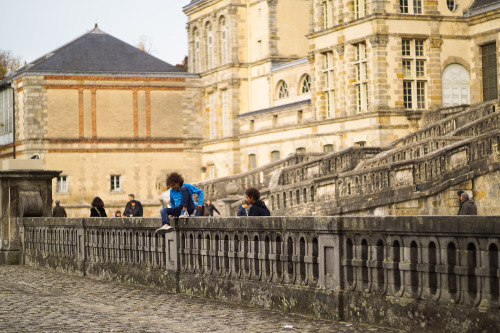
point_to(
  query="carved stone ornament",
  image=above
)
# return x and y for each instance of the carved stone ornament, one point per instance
(340, 50)
(232, 188)
(232, 10)
(436, 42)
(379, 41)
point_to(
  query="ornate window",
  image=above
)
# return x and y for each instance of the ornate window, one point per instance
(455, 83)
(361, 83)
(282, 89)
(305, 86)
(414, 74)
(329, 82)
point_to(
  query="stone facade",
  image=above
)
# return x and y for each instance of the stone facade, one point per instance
(376, 69)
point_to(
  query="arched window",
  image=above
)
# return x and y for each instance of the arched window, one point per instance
(282, 89)
(223, 41)
(305, 86)
(455, 82)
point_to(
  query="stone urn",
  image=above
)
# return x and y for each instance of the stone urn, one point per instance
(232, 188)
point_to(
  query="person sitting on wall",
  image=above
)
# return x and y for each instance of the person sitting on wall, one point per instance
(59, 211)
(468, 206)
(97, 209)
(137, 212)
(243, 209)
(258, 207)
(181, 201)
(460, 202)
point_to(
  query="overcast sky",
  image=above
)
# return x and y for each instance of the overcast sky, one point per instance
(32, 28)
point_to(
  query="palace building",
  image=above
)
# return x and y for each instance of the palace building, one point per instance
(280, 77)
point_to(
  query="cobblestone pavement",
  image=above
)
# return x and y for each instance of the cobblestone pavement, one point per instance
(34, 300)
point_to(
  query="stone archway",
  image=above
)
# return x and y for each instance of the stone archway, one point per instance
(455, 82)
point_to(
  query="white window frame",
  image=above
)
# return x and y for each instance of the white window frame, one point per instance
(227, 121)
(329, 90)
(116, 183)
(414, 73)
(282, 90)
(361, 83)
(197, 61)
(416, 7)
(360, 9)
(305, 86)
(62, 184)
(223, 40)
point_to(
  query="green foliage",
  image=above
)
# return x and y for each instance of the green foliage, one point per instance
(8, 63)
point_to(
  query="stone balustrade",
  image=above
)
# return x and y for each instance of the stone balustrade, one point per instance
(450, 124)
(407, 272)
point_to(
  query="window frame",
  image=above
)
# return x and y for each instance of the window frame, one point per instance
(329, 89)
(115, 186)
(283, 90)
(414, 74)
(62, 184)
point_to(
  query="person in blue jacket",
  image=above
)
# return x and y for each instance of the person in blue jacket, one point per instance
(181, 201)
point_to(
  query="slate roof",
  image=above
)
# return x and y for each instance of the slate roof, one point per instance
(96, 51)
(481, 6)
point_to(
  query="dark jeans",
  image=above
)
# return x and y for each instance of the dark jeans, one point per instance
(186, 201)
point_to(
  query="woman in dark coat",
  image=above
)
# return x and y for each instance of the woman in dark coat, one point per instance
(97, 209)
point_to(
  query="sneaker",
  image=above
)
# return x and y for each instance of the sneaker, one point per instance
(164, 229)
(184, 215)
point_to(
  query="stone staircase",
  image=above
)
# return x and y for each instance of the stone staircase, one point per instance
(416, 175)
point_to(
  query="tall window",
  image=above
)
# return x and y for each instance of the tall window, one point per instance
(226, 116)
(197, 62)
(212, 116)
(275, 156)
(414, 78)
(62, 184)
(6, 111)
(305, 86)
(327, 14)
(223, 47)
(252, 161)
(414, 8)
(329, 83)
(489, 71)
(116, 184)
(361, 84)
(282, 89)
(209, 47)
(360, 8)
(211, 171)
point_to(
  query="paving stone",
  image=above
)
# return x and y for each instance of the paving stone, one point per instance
(36, 300)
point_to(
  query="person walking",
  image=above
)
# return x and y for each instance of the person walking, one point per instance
(59, 210)
(258, 207)
(97, 209)
(468, 206)
(211, 208)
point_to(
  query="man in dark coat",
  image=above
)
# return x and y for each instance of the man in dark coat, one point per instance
(258, 207)
(460, 202)
(132, 211)
(59, 211)
(468, 207)
(211, 207)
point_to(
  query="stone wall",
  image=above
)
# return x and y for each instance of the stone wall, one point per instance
(408, 272)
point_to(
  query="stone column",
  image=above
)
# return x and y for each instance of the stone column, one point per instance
(25, 191)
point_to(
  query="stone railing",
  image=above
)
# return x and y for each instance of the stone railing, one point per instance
(357, 190)
(260, 177)
(327, 165)
(408, 152)
(442, 270)
(448, 125)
